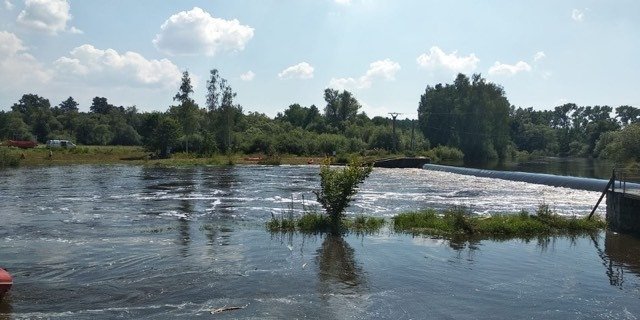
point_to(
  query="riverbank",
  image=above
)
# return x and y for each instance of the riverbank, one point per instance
(40, 156)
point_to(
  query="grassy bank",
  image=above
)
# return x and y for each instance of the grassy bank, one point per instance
(39, 156)
(457, 221)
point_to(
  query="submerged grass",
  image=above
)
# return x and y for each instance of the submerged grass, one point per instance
(313, 223)
(457, 221)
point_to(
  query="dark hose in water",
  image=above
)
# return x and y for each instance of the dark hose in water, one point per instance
(589, 184)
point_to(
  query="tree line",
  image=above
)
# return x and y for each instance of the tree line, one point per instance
(470, 115)
(475, 116)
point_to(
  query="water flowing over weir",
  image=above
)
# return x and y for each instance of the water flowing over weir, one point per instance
(579, 183)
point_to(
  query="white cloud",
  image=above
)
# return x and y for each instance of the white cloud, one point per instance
(301, 70)
(10, 44)
(247, 76)
(437, 59)
(8, 5)
(197, 32)
(382, 69)
(50, 16)
(509, 70)
(89, 64)
(539, 56)
(577, 15)
(75, 30)
(374, 111)
(18, 67)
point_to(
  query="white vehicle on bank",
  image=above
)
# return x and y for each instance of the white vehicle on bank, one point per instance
(60, 144)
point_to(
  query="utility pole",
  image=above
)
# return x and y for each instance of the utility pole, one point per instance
(413, 136)
(394, 115)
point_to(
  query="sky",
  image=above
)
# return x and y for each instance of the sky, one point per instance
(275, 53)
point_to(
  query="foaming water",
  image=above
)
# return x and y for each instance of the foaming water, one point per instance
(87, 242)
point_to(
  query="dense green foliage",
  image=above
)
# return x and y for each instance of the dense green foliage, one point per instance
(457, 221)
(470, 118)
(470, 115)
(337, 188)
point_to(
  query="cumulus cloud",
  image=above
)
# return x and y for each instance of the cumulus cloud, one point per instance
(438, 59)
(301, 70)
(503, 69)
(10, 44)
(75, 30)
(577, 15)
(108, 66)
(197, 32)
(382, 69)
(247, 76)
(17, 66)
(8, 5)
(374, 111)
(50, 16)
(539, 56)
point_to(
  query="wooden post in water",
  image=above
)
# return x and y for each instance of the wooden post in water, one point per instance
(604, 192)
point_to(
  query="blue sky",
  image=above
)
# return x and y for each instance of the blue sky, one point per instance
(278, 52)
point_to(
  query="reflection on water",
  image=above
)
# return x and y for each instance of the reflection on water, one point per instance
(342, 285)
(621, 254)
(338, 268)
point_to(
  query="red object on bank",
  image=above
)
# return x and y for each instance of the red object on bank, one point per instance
(22, 144)
(6, 281)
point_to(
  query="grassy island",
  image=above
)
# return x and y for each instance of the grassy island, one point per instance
(321, 223)
(452, 222)
(457, 221)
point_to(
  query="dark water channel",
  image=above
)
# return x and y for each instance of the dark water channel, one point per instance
(89, 242)
(575, 167)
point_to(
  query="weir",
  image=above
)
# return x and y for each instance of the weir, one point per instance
(623, 196)
(589, 184)
(402, 162)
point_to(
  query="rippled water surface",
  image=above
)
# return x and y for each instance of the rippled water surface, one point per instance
(86, 242)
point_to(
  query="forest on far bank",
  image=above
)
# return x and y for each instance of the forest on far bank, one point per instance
(469, 119)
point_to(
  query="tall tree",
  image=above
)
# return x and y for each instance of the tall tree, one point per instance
(100, 105)
(223, 114)
(627, 115)
(332, 97)
(68, 106)
(214, 85)
(29, 104)
(187, 111)
(185, 89)
(471, 115)
(342, 107)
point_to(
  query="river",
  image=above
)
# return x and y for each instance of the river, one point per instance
(88, 242)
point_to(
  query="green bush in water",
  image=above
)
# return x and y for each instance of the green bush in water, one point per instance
(338, 187)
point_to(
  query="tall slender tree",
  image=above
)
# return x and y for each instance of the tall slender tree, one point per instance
(187, 111)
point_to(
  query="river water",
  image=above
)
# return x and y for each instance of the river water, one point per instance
(88, 242)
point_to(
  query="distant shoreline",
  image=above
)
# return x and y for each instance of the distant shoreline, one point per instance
(137, 155)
